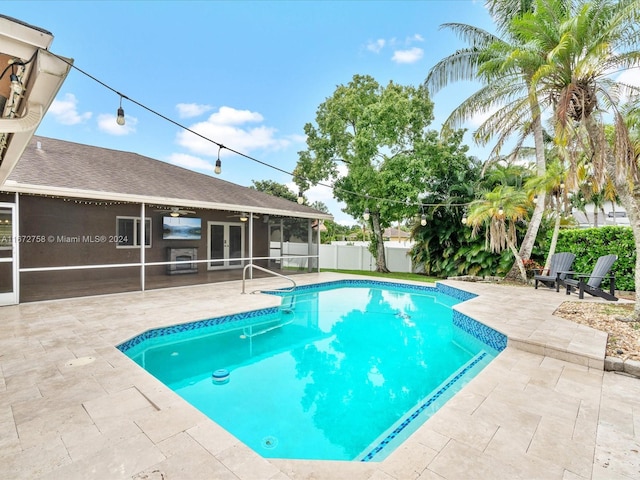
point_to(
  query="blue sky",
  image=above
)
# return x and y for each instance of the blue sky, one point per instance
(246, 74)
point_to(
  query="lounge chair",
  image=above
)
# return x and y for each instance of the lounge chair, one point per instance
(558, 267)
(590, 283)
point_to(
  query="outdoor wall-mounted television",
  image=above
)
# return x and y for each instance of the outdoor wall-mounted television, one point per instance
(181, 228)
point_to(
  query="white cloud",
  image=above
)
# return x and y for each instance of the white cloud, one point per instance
(190, 110)
(376, 45)
(107, 123)
(190, 162)
(407, 56)
(481, 117)
(65, 111)
(231, 116)
(227, 126)
(630, 77)
(297, 138)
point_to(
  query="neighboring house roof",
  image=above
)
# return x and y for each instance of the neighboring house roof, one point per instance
(57, 167)
(395, 233)
(27, 88)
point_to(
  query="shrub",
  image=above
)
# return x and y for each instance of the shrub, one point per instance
(589, 244)
(531, 267)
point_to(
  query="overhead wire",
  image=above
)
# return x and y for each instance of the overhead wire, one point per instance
(244, 155)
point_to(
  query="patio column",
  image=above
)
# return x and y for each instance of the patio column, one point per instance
(251, 243)
(309, 244)
(143, 242)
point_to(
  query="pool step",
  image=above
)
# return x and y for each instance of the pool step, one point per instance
(288, 304)
(255, 330)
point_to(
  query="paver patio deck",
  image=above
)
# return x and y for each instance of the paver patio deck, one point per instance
(73, 407)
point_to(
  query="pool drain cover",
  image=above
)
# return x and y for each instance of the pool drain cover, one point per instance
(270, 442)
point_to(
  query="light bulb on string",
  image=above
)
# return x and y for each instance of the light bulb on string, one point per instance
(120, 114)
(218, 169)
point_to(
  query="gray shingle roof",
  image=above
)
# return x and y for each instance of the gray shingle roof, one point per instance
(58, 167)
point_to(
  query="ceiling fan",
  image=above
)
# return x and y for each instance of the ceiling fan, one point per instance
(244, 216)
(176, 211)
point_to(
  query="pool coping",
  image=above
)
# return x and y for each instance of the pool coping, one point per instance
(106, 417)
(545, 334)
(493, 341)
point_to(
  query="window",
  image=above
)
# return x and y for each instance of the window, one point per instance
(128, 231)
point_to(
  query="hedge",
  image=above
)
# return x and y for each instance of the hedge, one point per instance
(590, 243)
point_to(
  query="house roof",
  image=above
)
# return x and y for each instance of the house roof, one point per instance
(27, 88)
(60, 168)
(393, 232)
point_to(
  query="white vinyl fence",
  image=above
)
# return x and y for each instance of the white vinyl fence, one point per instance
(357, 257)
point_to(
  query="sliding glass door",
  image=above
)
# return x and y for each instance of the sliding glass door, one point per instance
(225, 245)
(8, 255)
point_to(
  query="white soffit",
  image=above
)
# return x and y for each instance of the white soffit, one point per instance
(45, 74)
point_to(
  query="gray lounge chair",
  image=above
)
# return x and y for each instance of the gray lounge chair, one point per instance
(590, 283)
(558, 267)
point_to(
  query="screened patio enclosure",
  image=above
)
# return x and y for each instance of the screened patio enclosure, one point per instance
(87, 220)
(63, 247)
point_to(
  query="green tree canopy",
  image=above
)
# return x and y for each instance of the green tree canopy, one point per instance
(274, 188)
(379, 134)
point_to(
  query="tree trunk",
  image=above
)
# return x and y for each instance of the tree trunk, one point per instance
(631, 202)
(629, 197)
(519, 264)
(381, 261)
(536, 218)
(554, 240)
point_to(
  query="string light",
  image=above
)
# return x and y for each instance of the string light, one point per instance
(120, 114)
(218, 169)
(218, 163)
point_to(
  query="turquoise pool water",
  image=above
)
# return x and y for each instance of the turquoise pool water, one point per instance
(342, 371)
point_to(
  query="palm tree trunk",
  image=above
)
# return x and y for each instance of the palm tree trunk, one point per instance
(554, 239)
(630, 199)
(536, 218)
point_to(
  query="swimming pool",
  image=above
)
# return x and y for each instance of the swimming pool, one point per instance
(343, 370)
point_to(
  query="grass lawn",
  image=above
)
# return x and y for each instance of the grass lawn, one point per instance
(396, 275)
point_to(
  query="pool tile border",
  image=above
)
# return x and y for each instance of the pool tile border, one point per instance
(429, 401)
(480, 331)
(487, 335)
(358, 283)
(189, 326)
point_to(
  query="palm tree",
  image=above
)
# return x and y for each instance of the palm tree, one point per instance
(499, 211)
(505, 68)
(552, 183)
(584, 43)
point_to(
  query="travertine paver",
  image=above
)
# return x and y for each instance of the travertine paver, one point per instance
(73, 407)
